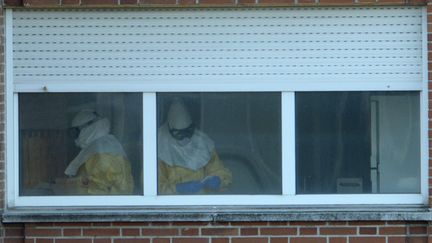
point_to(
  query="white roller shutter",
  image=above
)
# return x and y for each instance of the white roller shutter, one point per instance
(279, 45)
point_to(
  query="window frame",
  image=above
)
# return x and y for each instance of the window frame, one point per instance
(149, 90)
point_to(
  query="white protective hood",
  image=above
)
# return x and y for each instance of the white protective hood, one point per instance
(94, 139)
(193, 155)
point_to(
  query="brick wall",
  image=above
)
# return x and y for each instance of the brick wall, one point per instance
(234, 232)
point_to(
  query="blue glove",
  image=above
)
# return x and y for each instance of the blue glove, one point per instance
(190, 187)
(212, 183)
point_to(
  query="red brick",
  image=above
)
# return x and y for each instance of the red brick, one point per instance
(249, 240)
(368, 230)
(189, 231)
(278, 240)
(392, 230)
(249, 231)
(276, 1)
(102, 224)
(190, 224)
(306, 1)
(68, 224)
(339, 223)
(336, 2)
(70, 2)
(249, 223)
(98, 2)
(13, 2)
(417, 2)
(42, 232)
(130, 224)
(102, 240)
(413, 239)
(281, 223)
(72, 232)
(159, 232)
(216, 2)
(418, 230)
(338, 231)
(190, 240)
(9, 231)
(219, 231)
(130, 232)
(247, 1)
(392, 1)
(44, 241)
(404, 239)
(278, 231)
(102, 232)
(397, 222)
(30, 3)
(161, 223)
(367, 240)
(397, 239)
(161, 240)
(220, 240)
(338, 240)
(132, 240)
(308, 240)
(157, 2)
(16, 240)
(73, 241)
(308, 231)
(129, 2)
(306, 223)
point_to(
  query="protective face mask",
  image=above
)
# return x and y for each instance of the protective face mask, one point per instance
(184, 141)
(180, 134)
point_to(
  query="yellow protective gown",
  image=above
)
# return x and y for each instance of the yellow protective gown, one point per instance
(104, 174)
(169, 176)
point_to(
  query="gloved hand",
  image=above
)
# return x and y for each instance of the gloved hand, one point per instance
(212, 182)
(189, 187)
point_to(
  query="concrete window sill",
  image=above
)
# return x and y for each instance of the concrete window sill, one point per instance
(220, 214)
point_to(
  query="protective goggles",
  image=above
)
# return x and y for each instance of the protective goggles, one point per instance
(181, 134)
(75, 131)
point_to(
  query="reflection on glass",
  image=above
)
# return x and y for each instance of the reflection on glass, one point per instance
(358, 142)
(219, 143)
(80, 144)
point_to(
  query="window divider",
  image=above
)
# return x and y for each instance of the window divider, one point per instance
(424, 108)
(288, 143)
(149, 145)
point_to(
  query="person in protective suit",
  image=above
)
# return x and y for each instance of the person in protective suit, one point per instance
(101, 167)
(187, 159)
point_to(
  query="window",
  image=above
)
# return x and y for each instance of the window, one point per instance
(238, 135)
(357, 142)
(80, 144)
(217, 107)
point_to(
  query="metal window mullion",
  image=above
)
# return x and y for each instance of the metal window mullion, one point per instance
(149, 144)
(11, 116)
(424, 107)
(288, 143)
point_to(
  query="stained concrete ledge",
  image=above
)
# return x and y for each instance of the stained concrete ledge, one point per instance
(219, 214)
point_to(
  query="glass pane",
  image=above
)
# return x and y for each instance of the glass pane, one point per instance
(80, 143)
(219, 143)
(358, 142)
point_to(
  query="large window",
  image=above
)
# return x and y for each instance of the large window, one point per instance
(270, 145)
(244, 106)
